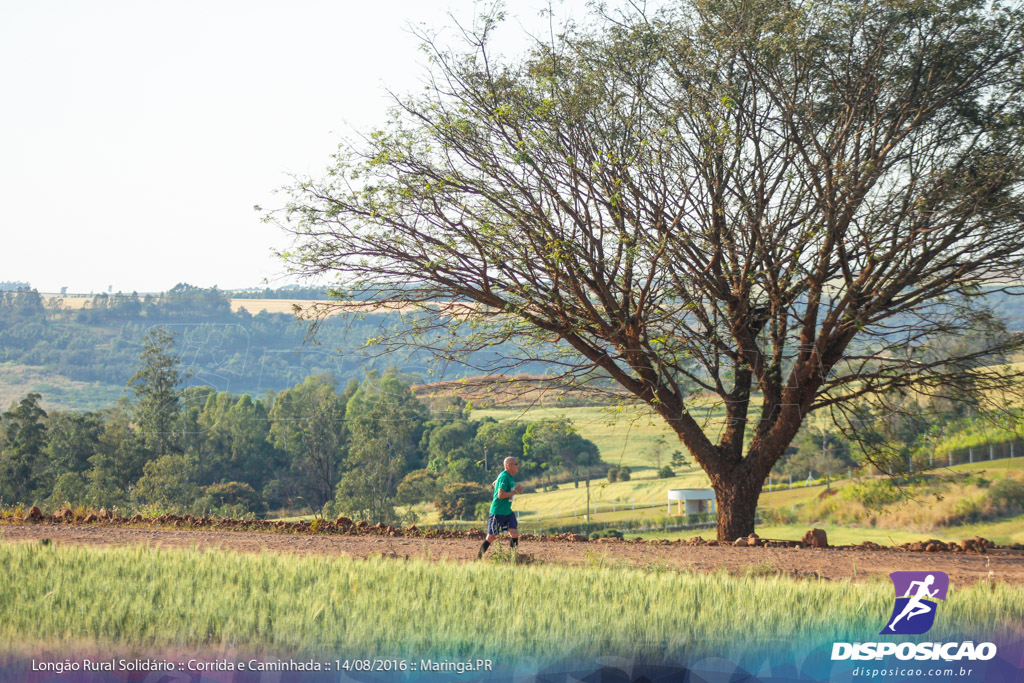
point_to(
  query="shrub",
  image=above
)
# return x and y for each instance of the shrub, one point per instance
(1006, 496)
(483, 509)
(416, 487)
(605, 533)
(978, 480)
(967, 510)
(874, 494)
(779, 516)
(618, 474)
(456, 500)
(666, 473)
(232, 494)
(168, 482)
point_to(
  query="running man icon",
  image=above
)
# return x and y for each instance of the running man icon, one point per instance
(914, 606)
(916, 595)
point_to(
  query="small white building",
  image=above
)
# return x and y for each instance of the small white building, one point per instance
(698, 501)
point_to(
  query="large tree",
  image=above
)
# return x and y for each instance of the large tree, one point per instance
(157, 395)
(307, 422)
(22, 448)
(776, 204)
(386, 422)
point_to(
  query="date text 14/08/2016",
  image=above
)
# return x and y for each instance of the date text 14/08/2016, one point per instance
(458, 667)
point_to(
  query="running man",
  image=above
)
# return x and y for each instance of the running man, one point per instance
(914, 606)
(501, 515)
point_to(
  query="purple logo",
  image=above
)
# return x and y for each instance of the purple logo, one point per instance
(917, 594)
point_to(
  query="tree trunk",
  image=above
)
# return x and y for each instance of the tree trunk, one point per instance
(737, 495)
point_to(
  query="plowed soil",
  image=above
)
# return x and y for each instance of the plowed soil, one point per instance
(813, 563)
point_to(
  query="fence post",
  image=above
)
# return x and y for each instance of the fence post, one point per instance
(1011, 449)
(931, 458)
(951, 458)
(971, 451)
(990, 456)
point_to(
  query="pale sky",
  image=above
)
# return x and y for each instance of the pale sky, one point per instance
(136, 136)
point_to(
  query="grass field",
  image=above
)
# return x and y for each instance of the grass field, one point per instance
(622, 434)
(566, 505)
(141, 599)
(16, 381)
(1005, 531)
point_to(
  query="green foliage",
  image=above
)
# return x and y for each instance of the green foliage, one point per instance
(619, 473)
(416, 487)
(815, 454)
(157, 398)
(22, 449)
(458, 500)
(1007, 496)
(19, 301)
(666, 473)
(308, 425)
(499, 440)
(556, 446)
(106, 486)
(874, 494)
(605, 533)
(231, 494)
(779, 516)
(70, 487)
(386, 422)
(71, 439)
(169, 482)
(448, 442)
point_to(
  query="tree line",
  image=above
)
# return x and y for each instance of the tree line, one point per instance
(360, 450)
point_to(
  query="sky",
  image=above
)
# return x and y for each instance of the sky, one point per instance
(136, 137)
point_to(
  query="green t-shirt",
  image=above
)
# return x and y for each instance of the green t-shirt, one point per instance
(503, 506)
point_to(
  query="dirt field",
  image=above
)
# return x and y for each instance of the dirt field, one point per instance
(830, 564)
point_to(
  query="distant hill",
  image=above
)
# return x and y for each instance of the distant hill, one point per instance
(80, 351)
(517, 391)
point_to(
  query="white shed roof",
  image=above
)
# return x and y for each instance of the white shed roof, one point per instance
(691, 494)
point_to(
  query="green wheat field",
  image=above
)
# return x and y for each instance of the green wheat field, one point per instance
(144, 600)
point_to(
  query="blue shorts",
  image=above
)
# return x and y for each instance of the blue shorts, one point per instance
(497, 523)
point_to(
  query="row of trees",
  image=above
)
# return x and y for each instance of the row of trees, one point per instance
(311, 445)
